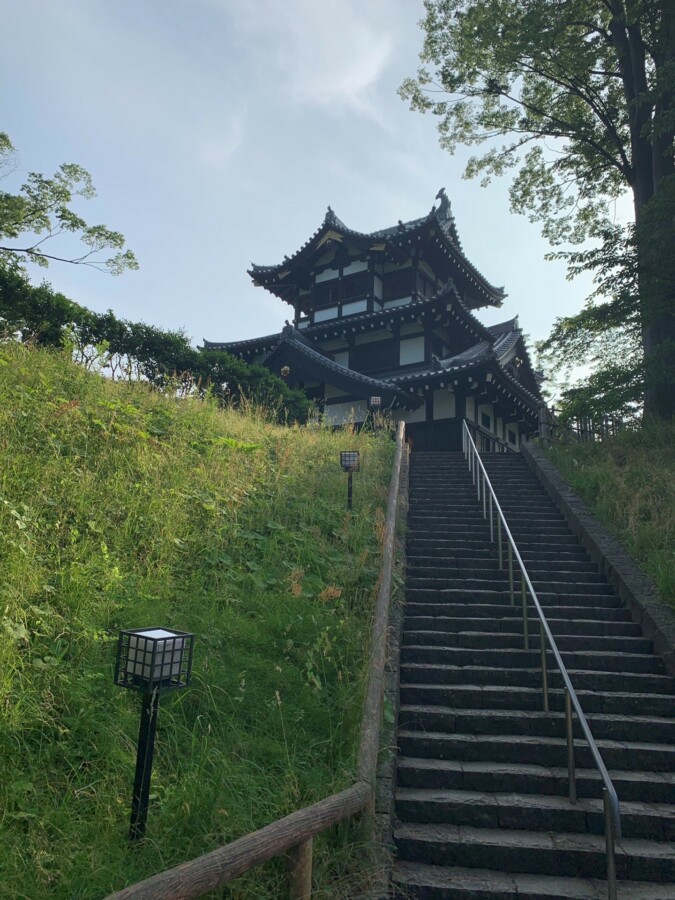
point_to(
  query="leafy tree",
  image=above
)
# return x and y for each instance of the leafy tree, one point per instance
(41, 210)
(583, 92)
(134, 350)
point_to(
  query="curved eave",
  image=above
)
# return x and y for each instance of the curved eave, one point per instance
(316, 367)
(478, 364)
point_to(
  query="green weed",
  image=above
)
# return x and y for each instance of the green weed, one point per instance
(122, 508)
(629, 482)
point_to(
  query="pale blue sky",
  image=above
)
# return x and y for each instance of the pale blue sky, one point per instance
(217, 132)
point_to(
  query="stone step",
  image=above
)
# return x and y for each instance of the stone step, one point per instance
(416, 880)
(500, 641)
(530, 659)
(534, 852)
(458, 619)
(489, 563)
(534, 750)
(476, 696)
(447, 524)
(582, 679)
(499, 581)
(438, 774)
(534, 722)
(459, 536)
(429, 548)
(447, 603)
(470, 511)
(527, 812)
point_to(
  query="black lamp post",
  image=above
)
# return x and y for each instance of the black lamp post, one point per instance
(152, 661)
(349, 460)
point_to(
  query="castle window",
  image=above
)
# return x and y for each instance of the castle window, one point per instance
(356, 286)
(398, 284)
(327, 293)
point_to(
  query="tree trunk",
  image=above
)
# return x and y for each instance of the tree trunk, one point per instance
(656, 267)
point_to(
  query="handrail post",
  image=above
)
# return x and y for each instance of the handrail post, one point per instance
(484, 500)
(544, 667)
(571, 773)
(609, 846)
(492, 524)
(301, 871)
(499, 541)
(513, 599)
(523, 591)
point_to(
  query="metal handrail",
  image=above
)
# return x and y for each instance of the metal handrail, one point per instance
(609, 795)
(490, 436)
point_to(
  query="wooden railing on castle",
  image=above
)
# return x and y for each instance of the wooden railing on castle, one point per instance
(581, 430)
(294, 833)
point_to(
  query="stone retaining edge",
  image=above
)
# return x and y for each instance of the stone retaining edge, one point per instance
(637, 592)
(385, 789)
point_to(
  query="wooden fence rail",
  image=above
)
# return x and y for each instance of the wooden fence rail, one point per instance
(295, 832)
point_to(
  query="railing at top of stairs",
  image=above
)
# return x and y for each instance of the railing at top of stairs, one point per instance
(491, 508)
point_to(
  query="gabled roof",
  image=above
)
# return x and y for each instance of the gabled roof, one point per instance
(278, 278)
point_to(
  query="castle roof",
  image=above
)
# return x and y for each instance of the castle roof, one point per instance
(438, 227)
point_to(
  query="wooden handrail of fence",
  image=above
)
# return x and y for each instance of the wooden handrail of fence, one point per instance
(296, 831)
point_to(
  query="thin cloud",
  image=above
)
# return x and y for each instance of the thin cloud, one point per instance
(324, 54)
(217, 151)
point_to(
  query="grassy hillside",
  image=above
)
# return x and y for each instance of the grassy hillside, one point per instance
(629, 482)
(120, 508)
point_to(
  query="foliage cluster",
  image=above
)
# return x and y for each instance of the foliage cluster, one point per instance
(42, 209)
(134, 350)
(578, 98)
(123, 507)
(629, 482)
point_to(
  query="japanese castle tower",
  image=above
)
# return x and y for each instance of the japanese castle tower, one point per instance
(389, 314)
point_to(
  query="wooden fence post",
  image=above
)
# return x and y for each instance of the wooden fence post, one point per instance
(301, 871)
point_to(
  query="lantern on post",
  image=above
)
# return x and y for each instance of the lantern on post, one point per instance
(152, 661)
(349, 460)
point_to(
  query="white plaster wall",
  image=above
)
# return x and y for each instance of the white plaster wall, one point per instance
(348, 309)
(358, 266)
(413, 415)
(513, 427)
(444, 404)
(341, 413)
(412, 351)
(321, 315)
(470, 409)
(488, 409)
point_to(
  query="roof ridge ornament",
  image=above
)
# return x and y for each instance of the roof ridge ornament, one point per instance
(445, 209)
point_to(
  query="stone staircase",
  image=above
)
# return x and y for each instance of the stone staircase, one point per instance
(482, 808)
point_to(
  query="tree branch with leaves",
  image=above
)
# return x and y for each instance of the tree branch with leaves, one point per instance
(583, 91)
(41, 211)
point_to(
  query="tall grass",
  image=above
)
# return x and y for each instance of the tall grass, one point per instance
(120, 508)
(629, 482)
